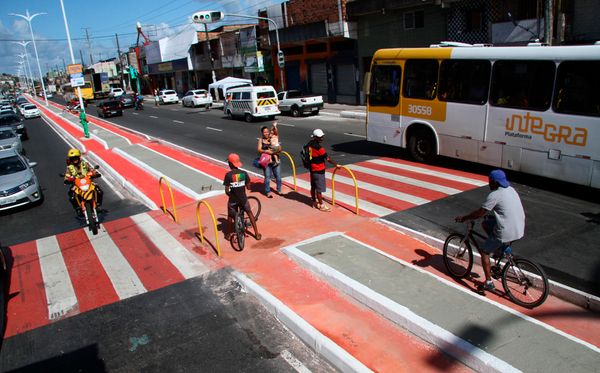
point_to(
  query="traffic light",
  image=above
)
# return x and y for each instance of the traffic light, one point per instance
(281, 59)
(207, 17)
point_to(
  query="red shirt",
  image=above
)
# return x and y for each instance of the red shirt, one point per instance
(318, 155)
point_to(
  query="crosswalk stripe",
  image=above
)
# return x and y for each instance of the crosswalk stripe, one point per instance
(426, 171)
(60, 294)
(121, 275)
(381, 190)
(349, 200)
(404, 179)
(187, 264)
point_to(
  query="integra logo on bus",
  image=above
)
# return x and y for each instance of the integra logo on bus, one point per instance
(524, 126)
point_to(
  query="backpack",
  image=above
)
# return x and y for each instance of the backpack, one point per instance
(305, 155)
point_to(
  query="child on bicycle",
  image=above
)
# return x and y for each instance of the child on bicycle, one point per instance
(236, 182)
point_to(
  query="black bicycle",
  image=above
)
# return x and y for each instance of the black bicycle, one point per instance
(241, 222)
(524, 281)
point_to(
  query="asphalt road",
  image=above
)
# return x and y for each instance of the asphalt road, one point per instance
(206, 324)
(55, 214)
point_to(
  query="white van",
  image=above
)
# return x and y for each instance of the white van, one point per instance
(252, 102)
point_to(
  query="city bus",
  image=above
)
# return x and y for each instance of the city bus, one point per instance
(70, 93)
(533, 109)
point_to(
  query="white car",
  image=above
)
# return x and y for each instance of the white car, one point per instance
(6, 111)
(116, 92)
(18, 183)
(168, 96)
(196, 98)
(9, 139)
(30, 111)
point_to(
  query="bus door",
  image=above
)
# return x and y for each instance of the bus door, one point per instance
(384, 102)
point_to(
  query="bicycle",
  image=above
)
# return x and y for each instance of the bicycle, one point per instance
(524, 282)
(241, 222)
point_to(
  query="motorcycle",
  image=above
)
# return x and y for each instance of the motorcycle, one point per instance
(72, 108)
(86, 197)
(139, 103)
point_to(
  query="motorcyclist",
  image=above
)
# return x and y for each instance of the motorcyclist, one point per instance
(77, 168)
(139, 102)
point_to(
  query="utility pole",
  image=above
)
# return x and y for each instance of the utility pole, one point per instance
(120, 61)
(549, 23)
(212, 62)
(81, 56)
(87, 36)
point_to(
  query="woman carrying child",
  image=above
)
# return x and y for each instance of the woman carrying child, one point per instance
(269, 144)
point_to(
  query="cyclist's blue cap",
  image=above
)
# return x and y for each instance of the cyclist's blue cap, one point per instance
(500, 177)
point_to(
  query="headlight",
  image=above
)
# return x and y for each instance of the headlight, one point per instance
(15, 144)
(27, 184)
(20, 126)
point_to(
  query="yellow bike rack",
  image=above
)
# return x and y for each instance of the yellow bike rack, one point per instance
(210, 210)
(162, 197)
(293, 167)
(333, 185)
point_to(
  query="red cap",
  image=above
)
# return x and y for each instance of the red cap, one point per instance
(234, 159)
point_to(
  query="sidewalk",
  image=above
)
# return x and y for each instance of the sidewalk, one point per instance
(370, 286)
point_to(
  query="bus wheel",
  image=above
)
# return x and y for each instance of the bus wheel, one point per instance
(422, 146)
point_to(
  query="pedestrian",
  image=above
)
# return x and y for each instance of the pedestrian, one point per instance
(155, 96)
(318, 156)
(273, 167)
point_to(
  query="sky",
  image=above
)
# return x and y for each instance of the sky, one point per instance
(103, 19)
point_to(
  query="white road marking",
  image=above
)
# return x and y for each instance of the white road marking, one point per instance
(286, 125)
(294, 363)
(178, 121)
(187, 264)
(135, 113)
(122, 276)
(404, 179)
(380, 190)
(59, 289)
(174, 109)
(214, 129)
(152, 116)
(354, 134)
(426, 171)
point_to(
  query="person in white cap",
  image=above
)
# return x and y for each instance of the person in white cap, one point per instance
(318, 156)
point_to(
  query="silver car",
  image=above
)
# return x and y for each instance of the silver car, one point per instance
(18, 184)
(9, 139)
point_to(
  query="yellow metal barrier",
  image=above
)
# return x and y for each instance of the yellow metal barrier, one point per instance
(293, 167)
(333, 185)
(162, 197)
(210, 210)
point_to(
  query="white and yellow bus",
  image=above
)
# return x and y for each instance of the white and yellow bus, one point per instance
(70, 93)
(533, 109)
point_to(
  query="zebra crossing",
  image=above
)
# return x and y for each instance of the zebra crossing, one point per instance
(73, 272)
(387, 185)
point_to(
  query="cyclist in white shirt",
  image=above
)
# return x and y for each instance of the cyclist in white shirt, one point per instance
(504, 223)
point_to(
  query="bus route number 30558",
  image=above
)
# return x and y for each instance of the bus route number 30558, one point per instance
(419, 110)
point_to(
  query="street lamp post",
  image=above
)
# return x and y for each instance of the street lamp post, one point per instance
(23, 66)
(82, 116)
(24, 45)
(29, 18)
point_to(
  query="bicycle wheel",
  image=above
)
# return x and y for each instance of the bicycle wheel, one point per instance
(255, 206)
(240, 229)
(525, 282)
(458, 255)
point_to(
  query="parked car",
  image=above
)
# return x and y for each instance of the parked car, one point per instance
(196, 98)
(127, 100)
(10, 140)
(30, 111)
(108, 108)
(14, 122)
(49, 94)
(18, 184)
(296, 104)
(168, 96)
(252, 102)
(116, 92)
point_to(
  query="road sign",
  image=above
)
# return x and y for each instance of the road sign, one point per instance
(77, 82)
(75, 69)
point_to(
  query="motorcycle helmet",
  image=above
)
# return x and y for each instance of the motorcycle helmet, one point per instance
(73, 153)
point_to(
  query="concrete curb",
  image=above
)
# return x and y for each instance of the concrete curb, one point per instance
(457, 347)
(322, 345)
(564, 292)
(353, 114)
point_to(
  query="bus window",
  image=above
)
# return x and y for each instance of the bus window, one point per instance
(246, 96)
(385, 85)
(578, 88)
(420, 79)
(464, 81)
(522, 84)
